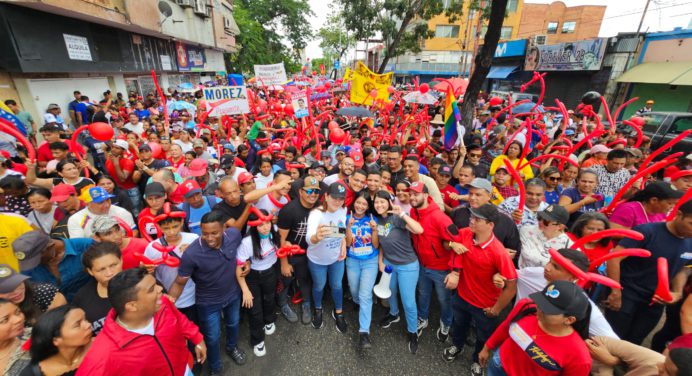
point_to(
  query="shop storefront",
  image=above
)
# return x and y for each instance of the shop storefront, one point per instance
(507, 70)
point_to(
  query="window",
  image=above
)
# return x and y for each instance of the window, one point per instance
(680, 125)
(506, 32)
(568, 27)
(446, 3)
(446, 31)
(552, 27)
(512, 5)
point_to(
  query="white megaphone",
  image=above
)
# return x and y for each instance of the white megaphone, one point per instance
(382, 290)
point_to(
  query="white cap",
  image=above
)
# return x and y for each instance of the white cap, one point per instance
(121, 144)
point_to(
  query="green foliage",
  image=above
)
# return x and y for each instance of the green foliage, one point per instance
(402, 24)
(334, 40)
(259, 41)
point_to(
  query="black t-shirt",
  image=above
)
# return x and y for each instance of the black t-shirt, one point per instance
(294, 218)
(156, 164)
(229, 211)
(505, 230)
(95, 307)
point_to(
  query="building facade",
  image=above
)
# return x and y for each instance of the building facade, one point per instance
(54, 47)
(557, 23)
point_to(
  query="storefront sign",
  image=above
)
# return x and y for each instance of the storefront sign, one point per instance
(511, 48)
(575, 56)
(274, 74)
(299, 100)
(237, 100)
(165, 62)
(77, 47)
(190, 58)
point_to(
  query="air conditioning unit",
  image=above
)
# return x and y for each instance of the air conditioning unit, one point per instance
(185, 3)
(540, 40)
(200, 7)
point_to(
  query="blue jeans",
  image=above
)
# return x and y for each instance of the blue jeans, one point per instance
(361, 280)
(136, 199)
(428, 279)
(210, 324)
(495, 365)
(464, 313)
(404, 280)
(319, 273)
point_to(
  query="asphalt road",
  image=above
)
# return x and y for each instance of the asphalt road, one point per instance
(297, 349)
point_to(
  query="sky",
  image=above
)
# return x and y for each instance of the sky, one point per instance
(620, 16)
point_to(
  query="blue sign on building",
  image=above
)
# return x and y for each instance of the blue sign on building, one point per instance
(337, 64)
(511, 48)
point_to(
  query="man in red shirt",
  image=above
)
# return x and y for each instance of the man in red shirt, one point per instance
(444, 174)
(174, 190)
(475, 260)
(107, 229)
(121, 168)
(50, 134)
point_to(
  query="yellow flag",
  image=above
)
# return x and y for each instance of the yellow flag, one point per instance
(363, 81)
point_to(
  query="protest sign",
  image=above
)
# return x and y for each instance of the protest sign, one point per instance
(237, 100)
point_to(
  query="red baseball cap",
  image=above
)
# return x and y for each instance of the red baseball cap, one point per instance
(245, 177)
(418, 187)
(190, 187)
(62, 192)
(198, 167)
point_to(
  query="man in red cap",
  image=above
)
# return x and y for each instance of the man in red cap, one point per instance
(199, 170)
(122, 169)
(65, 196)
(196, 205)
(246, 181)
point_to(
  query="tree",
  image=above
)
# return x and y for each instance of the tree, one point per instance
(260, 42)
(483, 60)
(401, 24)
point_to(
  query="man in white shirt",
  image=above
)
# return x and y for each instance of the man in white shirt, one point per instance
(79, 224)
(134, 125)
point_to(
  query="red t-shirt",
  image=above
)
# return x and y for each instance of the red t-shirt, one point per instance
(43, 153)
(525, 349)
(176, 164)
(126, 165)
(135, 245)
(445, 196)
(593, 253)
(177, 196)
(478, 266)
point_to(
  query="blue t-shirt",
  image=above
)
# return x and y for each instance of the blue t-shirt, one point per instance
(72, 274)
(81, 110)
(193, 223)
(361, 248)
(142, 114)
(213, 270)
(638, 275)
(553, 197)
(573, 193)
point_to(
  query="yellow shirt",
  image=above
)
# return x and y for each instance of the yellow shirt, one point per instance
(497, 162)
(11, 227)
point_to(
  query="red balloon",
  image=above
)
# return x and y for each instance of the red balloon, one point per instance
(277, 107)
(332, 125)
(390, 89)
(336, 135)
(638, 120)
(424, 88)
(373, 93)
(288, 109)
(327, 84)
(321, 89)
(156, 150)
(314, 73)
(101, 131)
(495, 101)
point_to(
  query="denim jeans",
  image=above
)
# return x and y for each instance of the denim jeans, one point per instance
(495, 365)
(427, 280)
(210, 324)
(404, 280)
(320, 273)
(136, 199)
(464, 314)
(361, 280)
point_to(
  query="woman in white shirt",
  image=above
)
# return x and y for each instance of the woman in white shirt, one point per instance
(259, 286)
(326, 253)
(184, 141)
(537, 240)
(265, 174)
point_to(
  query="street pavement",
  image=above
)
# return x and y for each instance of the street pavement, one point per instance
(297, 349)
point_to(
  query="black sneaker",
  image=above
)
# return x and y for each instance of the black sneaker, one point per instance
(317, 322)
(237, 355)
(451, 353)
(365, 341)
(413, 342)
(388, 320)
(341, 325)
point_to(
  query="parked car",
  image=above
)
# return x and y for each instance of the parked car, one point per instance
(662, 127)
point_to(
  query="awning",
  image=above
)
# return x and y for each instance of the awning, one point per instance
(501, 71)
(678, 73)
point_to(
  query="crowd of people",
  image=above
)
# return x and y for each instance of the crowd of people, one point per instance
(132, 255)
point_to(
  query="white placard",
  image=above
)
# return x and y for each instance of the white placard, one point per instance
(77, 47)
(299, 100)
(165, 62)
(274, 74)
(237, 100)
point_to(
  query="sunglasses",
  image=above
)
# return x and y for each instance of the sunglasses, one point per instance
(553, 178)
(312, 191)
(474, 155)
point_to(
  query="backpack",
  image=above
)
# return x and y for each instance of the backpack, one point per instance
(211, 200)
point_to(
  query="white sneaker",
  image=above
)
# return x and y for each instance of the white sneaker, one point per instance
(422, 324)
(269, 329)
(259, 349)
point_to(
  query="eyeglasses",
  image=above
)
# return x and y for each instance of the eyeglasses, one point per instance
(475, 155)
(312, 191)
(553, 178)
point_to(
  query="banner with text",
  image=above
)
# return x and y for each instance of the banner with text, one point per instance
(267, 75)
(574, 56)
(363, 81)
(237, 100)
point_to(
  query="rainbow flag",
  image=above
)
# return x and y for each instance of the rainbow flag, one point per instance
(452, 115)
